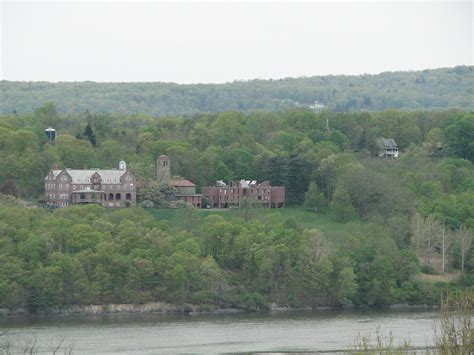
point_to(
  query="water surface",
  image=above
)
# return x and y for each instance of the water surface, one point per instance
(308, 331)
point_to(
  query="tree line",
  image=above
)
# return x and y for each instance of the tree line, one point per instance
(426, 89)
(89, 255)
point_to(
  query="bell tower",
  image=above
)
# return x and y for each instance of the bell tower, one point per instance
(163, 170)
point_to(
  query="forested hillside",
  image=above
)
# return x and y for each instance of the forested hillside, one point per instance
(427, 89)
(400, 229)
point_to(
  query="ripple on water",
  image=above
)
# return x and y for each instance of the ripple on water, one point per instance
(271, 332)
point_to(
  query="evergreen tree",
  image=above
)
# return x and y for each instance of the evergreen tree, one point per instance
(89, 133)
(299, 175)
(276, 171)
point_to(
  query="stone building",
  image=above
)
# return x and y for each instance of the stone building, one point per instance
(108, 188)
(233, 195)
(176, 190)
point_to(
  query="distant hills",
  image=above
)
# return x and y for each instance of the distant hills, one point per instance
(428, 89)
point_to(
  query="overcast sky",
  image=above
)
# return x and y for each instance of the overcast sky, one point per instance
(219, 42)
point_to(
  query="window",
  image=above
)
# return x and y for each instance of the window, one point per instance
(83, 196)
(111, 196)
(118, 197)
(73, 187)
(128, 197)
(60, 186)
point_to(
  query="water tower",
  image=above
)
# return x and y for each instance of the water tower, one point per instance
(51, 133)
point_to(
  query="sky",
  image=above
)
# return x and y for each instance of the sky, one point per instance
(216, 42)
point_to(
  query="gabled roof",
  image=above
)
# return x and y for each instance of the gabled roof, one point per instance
(55, 174)
(388, 143)
(182, 183)
(107, 176)
(110, 176)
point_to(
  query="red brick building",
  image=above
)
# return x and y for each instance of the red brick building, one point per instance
(176, 190)
(233, 195)
(108, 188)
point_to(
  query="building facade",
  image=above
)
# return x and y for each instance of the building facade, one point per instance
(176, 191)
(108, 188)
(388, 148)
(238, 192)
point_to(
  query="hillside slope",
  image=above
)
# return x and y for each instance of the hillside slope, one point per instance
(427, 89)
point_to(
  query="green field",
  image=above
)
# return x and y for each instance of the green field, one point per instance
(191, 219)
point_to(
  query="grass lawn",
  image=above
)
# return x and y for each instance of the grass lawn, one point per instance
(179, 219)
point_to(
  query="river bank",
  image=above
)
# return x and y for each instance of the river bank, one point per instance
(165, 307)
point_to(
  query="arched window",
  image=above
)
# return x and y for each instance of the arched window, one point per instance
(111, 196)
(118, 197)
(83, 196)
(128, 197)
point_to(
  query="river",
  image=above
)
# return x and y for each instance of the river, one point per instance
(308, 331)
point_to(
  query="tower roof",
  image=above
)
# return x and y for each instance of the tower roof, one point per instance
(182, 183)
(163, 157)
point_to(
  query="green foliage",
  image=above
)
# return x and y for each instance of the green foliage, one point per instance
(427, 89)
(86, 254)
(341, 205)
(251, 257)
(314, 198)
(460, 137)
